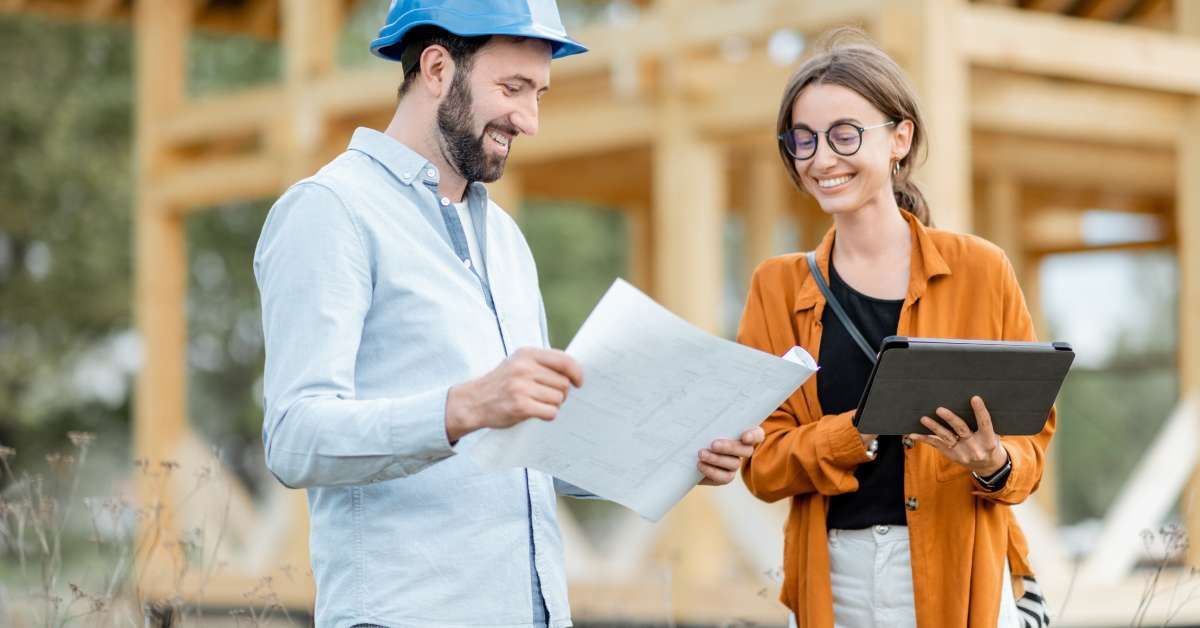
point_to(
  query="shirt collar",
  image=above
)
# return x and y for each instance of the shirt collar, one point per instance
(403, 162)
(927, 263)
(406, 164)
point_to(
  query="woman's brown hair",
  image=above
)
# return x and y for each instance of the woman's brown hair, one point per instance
(846, 57)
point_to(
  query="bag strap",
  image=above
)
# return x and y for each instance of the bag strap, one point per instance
(837, 307)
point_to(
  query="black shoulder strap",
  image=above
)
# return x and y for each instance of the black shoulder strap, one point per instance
(837, 307)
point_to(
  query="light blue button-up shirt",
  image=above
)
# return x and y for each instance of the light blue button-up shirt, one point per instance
(369, 317)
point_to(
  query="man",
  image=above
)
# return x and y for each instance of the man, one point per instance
(402, 314)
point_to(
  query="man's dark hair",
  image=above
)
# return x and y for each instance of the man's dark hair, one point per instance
(462, 50)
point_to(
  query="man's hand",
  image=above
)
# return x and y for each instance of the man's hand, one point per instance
(720, 462)
(531, 384)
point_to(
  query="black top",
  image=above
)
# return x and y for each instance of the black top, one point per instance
(840, 384)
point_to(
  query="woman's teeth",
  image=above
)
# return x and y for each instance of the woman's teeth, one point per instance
(830, 183)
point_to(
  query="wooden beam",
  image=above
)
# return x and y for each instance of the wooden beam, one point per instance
(309, 41)
(204, 183)
(766, 200)
(1085, 50)
(575, 129)
(160, 270)
(658, 33)
(640, 231)
(940, 72)
(1006, 102)
(1052, 162)
(1105, 10)
(690, 196)
(1187, 212)
(620, 178)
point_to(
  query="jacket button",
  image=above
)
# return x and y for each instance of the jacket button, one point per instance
(908, 442)
(911, 503)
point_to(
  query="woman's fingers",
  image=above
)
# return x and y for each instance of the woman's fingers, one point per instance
(958, 425)
(943, 435)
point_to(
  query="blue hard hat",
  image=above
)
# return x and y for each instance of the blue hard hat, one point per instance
(472, 18)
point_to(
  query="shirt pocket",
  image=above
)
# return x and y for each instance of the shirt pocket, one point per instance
(947, 470)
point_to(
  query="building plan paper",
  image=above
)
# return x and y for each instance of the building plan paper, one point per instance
(656, 390)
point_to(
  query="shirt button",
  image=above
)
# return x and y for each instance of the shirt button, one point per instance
(882, 530)
(467, 263)
(430, 173)
(911, 503)
(908, 442)
(445, 202)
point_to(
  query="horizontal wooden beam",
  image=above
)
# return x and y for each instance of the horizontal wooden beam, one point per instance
(198, 184)
(1053, 45)
(1005, 102)
(1052, 162)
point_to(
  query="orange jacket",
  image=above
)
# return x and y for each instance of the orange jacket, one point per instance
(960, 286)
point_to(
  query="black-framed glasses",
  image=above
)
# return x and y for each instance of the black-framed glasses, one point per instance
(844, 138)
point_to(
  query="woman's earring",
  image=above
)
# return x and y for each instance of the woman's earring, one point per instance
(896, 168)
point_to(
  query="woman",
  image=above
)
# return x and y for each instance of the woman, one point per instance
(884, 530)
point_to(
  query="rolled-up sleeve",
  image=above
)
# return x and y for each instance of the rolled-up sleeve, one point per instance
(315, 281)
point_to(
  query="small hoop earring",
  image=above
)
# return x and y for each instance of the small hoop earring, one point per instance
(896, 168)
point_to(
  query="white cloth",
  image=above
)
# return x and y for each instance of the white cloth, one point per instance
(871, 574)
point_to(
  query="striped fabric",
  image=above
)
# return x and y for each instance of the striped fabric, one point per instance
(1034, 612)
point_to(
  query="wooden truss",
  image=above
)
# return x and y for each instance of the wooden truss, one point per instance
(1035, 115)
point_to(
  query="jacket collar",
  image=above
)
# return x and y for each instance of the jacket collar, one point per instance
(927, 263)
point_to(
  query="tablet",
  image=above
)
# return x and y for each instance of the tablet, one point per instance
(913, 377)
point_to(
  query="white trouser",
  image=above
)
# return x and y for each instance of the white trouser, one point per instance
(871, 573)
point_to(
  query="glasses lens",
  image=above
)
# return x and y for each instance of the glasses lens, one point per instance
(845, 138)
(802, 143)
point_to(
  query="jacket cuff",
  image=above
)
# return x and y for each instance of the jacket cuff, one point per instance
(842, 440)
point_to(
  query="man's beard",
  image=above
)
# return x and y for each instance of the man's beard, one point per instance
(464, 149)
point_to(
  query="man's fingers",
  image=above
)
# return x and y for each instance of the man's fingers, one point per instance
(958, 425)
(729, 463)
(538, 410)
(560, 362)
(554, 379)
(547, 395)
(731, 448)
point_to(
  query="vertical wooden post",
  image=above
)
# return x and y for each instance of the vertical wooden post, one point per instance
(640, 228)
(690, 193)
(309, 43)
(1187, 212)
(160, 278)
(765, 202)
(941, 73)
(690, 196)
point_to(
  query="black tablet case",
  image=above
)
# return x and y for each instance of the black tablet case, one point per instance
(913, 377)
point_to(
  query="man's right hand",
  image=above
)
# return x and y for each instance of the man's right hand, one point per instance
(531, 383)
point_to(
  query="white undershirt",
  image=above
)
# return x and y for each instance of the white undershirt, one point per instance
(464, 216)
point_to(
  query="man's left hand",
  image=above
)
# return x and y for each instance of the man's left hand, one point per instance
(721, 461)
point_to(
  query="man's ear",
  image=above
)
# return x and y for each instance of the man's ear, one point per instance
(436, 71)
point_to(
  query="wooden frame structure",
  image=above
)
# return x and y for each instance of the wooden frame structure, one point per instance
(1033, 114)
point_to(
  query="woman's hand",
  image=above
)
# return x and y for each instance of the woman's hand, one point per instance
(720, 462)
(978, 451)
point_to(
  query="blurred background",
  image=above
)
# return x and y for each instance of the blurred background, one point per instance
(145, 141)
